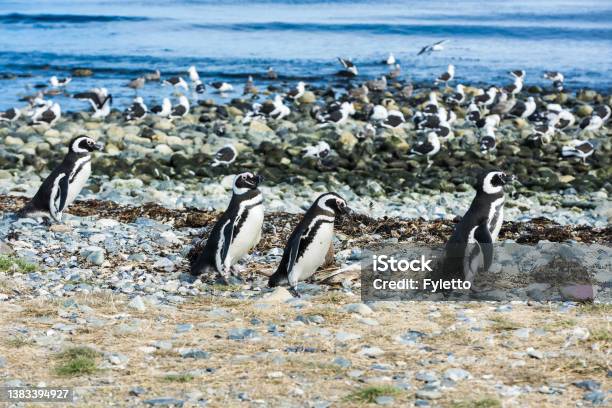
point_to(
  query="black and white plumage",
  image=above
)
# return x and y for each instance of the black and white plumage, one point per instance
(199, 87)
(518, 73)
(485, 99)
(319, 151)
(222, 86)
(99, 99)
(10, 115)
(136, 111)
(554, 76)
(603, 111)
(524, 109)
(350, 69)
(469, 250)
(488, 121)
(339, 116)
(236, 232)
(47, 114)
(176, 82)
(473, 113)
(379, 113)
(542, 133)
(64, 183)
(458, 97)
(297, 92)
(181, 109)
(59, 82)
(279, 109)
(309, 242)
(590, 124)
(164, 109)
(225, 156)
(394, 119)
(447, 76)
(437, 46)
(488, 141)
(578, 148)
(428, 147)
(560, 118)
(515, 88)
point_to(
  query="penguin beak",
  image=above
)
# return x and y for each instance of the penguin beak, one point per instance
(258, 180)
(346, 210)
(99, 146)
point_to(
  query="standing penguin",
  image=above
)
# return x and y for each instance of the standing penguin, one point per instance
(236, 232)
(64, 183)
(470, 248)
(309, 242)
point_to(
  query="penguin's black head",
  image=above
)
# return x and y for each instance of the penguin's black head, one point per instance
(492, 182)
(334, 203)
(246, 181)
(84, 144)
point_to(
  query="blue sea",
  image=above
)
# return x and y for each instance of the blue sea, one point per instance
(229, 40)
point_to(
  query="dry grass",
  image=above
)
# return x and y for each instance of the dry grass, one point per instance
(304, 356)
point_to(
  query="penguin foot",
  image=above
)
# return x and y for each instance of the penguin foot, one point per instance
(294, 292)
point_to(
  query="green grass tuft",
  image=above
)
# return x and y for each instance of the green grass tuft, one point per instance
(369, 394)
(76, 361)
(180, 378)
(12, 264)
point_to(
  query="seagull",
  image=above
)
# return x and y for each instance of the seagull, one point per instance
(271, 74)
(590, 124)
(318, 151)
(524, 109)
(137, 83)
(339, 116)
(280, 109)
(395, 72)
(350, 69)
(181, 109)
(394, 119)
(297, 92)
(59, 82)
(504, 104)
(48, 114)
(138, 110)
(153, 76)
(554, 76)
(488, 141)
(10, 115)
(99, 99)
(379, 113)
(473, 113)
(488, 121)
(222, 87)
(428, 147)
(225, 156)
(195, 79)
(515, 88)
(447, 76)
(578, 148)
(518, 73)
(377, 85)
(486, 98)
(176, 82)
(249, 86)
(390, 59)
(437, 46)
(163, 110)
(458, 97)
(603, 111)
(558, 117)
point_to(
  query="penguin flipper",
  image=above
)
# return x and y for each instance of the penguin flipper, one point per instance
(59, 194)
(483, 237)
(228, 236)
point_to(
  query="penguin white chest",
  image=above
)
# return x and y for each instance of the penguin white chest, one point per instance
(496, 217)
(77, 181)
(249, 234)
(314, 254)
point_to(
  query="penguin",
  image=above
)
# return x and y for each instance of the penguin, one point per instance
(64, 183)
(236, 232)
(309, 242)
(469, 249)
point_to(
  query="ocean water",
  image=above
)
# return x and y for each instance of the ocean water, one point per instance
(229, 40)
